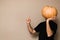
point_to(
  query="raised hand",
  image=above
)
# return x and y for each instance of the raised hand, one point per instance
(28, 20)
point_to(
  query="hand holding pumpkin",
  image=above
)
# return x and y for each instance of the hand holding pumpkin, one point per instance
(53, 18)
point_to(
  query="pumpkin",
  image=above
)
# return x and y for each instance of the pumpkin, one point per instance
(49, 11)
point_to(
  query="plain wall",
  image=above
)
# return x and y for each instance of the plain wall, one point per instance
(13, 14)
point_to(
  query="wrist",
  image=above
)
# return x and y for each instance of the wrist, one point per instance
(28, 23)
(47, 21)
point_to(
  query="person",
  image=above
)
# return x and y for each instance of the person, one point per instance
(46, 29)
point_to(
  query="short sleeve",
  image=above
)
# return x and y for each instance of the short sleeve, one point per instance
(53, 26)
(38, 27)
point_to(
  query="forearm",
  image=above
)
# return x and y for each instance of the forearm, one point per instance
(48, 29)
(29, 27)
(31, 30)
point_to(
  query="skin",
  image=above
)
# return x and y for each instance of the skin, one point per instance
(48, 29)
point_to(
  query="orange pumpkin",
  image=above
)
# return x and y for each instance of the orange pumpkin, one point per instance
(49, 11)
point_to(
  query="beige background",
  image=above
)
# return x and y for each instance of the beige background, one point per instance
(13, 14)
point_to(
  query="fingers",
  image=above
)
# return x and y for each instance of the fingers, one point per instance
(53, 18)
(28, 20)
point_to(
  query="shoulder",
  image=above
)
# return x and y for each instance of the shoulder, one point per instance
(52, 22)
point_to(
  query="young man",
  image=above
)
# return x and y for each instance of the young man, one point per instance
(46, 29)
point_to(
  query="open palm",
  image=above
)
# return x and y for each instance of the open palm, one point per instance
(28, 20)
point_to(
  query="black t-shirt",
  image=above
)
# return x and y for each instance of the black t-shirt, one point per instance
(41, 29)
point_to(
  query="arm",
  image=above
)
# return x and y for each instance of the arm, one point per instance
(31, 30)
(48, 29)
